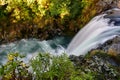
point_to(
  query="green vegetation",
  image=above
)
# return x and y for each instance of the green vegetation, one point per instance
(45, 19)
(21, 17)
(27, 10)
(15, 68)
(48, 67)
(45, 66)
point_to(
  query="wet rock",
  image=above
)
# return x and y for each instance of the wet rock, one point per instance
(110, 45)
(77, 59)
(98, 64)
(114, 16)
(112, 48)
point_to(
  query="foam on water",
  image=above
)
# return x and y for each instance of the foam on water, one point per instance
(96, 32)
(31, 47)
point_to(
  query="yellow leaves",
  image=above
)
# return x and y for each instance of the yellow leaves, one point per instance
(43, 3)
(29, 2)
(23, 64)
(15, 68)
(10, 57)
(16, 14)
(14, 21)
(8, 8)
(8, 76)
(2, 2)
(18, 17)
(43, 6)
(64, 12)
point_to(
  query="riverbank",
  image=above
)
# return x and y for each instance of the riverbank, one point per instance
(30, 27)
(44, 20)
(96, 65)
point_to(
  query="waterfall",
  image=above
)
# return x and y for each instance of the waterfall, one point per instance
(100, 29)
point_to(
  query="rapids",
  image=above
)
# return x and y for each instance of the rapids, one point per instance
(100, 29)
(30, 47)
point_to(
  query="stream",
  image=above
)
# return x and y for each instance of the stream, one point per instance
(99, 30)
(30, 47)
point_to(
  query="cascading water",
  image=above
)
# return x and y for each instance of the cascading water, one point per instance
(30, 47)
(97, 31)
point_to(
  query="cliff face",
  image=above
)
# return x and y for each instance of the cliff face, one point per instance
(46, 18)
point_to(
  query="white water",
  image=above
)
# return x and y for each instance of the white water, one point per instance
(96, 32)
(31, 47)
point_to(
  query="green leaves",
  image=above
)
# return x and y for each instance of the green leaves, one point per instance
(18, 16)
(51, 8)
(48, 67)
(45, 66)
(15, 68)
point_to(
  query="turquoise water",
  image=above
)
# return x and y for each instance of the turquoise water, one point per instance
(30, 47)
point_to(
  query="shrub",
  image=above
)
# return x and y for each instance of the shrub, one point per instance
(49, 67)
(18, 16)
(15, 68)
(45, 66)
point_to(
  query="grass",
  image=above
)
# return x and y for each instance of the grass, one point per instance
(45, 66)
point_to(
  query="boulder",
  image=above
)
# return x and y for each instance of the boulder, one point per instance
(111, 46)
(114, 16)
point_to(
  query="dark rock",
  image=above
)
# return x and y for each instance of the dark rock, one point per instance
(114, 16)
(112, 44)
(76, 58)
(79, 60)
(98, 64)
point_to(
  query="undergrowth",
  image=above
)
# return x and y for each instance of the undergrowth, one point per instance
(45, 66)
